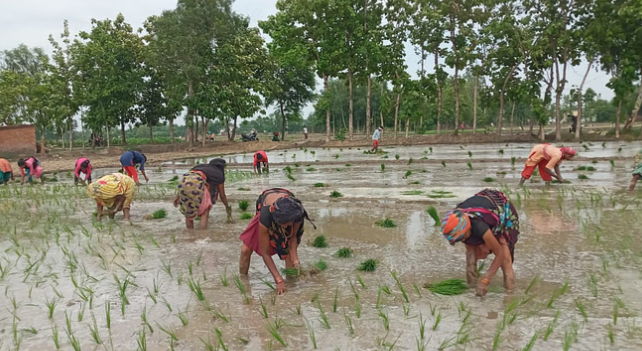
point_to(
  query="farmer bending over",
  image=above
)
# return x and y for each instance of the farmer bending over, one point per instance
(260, 160)
(548, 158)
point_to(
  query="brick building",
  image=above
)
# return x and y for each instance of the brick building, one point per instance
(17, 140)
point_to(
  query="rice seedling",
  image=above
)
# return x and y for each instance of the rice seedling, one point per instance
(95, 334)
(408, 174)
(108, 314)
(349, 323)
(55, 336)
(582, 176)
(368, 265)
(173, 179)
(611, 335)
(51, 306)
(536, 279)
(582, 309)
(324, 317)
(557, 293)
(290, 177)
(344, 252)
(410, 160)
(400, 286)
(243, 205)
(297, 165)
(386, 223)
(432, 211)
(291, 272)
(396, 156)
(612, 162)
(243, 189)
(412, 192)
(489, 180)
(437, 321)
(448, 287)
(313, 338)
(310, 169)
(263, 309)
(246, 216)
(336, 156)
(384, 319)
(570, 336)
(470, 165)
(168, 330)
(550, 327)
(335, 194)
(361, 282)
(320, 241)
(619, 149)
(241, 287)
(335, 302)
(512, 161)
(159, 214)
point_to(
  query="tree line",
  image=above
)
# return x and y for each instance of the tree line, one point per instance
(480, 61)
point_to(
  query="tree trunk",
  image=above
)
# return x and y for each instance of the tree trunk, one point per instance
(108, 138)
(456, 75)
(204, 124)
(151, 133)
(381, 117)
(542, 136)
(234, 131)
(512, 115)
(283, 120)
(368, 101)
(502, 93)
(636, 109)
(617, 119)
(407, 125)
(71, 134)
(189, 119)
(42, 142)
(475, 104)
(122, 129)
(579, 100)
(397, 113)
(439, 92)
(196, 126)
(327, 109)
(350, 105)
(62, 137)
(171, 131)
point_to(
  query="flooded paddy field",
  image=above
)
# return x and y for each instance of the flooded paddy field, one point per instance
(70, 283)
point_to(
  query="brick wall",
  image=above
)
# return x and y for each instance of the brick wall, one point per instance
(18, 140)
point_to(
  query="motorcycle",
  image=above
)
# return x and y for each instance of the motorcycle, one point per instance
(249, 137)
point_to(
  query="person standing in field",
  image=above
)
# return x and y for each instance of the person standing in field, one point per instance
(375, 138)
(276, 228)
(82, 166)
(114, 191)
(548, 159)
(260, 160)
(199, 189)
(129, 160)
(485, 223)
(6, 173)
(637, 170)
(305, 133)
(29, 168)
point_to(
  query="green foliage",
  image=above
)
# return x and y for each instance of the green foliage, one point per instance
(321, 265)
(159, 214)
(320, 185)
(320, 241)
(243, 205)
(344, 252)
(432, 211)
(246, 216)
(336, 194)
(368, 265)
(448, 287)
(386, 223)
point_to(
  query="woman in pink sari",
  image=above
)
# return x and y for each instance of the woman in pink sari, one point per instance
(30, 168)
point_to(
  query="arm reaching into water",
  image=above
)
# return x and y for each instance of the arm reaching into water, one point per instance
(264, 244)
(500, 259)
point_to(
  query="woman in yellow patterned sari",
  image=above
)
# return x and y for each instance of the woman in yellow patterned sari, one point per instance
(114, 191)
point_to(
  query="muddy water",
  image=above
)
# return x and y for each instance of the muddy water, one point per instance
(578, 252)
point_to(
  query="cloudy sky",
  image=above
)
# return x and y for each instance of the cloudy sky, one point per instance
(31, 21)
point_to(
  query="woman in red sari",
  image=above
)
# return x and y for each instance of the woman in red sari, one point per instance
(485, 223)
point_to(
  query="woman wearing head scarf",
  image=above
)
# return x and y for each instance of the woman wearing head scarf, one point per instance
(261, 161)
(276, 228)
(114, 191)
(485, 223)
(129, 160)
(637, 170)
(199, 189)
(82, 166)
(29, 168)
(548, 159)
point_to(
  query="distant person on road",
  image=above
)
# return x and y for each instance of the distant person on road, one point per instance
(375, 138)
(277, 228)
(29, 168)
(82, 166)
(637, 170)
(6, 173)
(129, 160)
(305, 133)
(548, 159)
(275, 136)
(198, 191)
(485, 223)
(260, 161)
(114, 191)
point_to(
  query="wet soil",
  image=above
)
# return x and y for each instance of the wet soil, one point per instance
(577, 262)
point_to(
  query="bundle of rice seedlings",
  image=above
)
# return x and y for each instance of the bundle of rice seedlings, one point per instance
(320, 241)
(320, 185)
(386, 223)
(448, 287)
(582, 176)
(489, 180)
(243, 205)
(432, 211)
(336, 194)
(158, 214)
(368, 265)
(174, 179)
(344, 252)
(321, 265)
(245, 216)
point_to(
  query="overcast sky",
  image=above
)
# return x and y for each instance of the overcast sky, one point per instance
(31, 21)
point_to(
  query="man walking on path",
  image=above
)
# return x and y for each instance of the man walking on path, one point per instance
(375, 138)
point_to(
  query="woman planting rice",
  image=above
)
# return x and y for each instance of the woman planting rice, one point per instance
(6, 173)
(129, 160)
(82, 166)
(29, 168)
(548, 159)
(485, 223)
(114, 191)
(198, 190)
(637, 170)
(276, 228)
(261, 161)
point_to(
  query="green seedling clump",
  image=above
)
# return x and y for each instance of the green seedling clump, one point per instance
(383, 167)
(412, 192)
(336, 194)
(320, 241)
(344, 252)
(159, 214)
(368, 265)
(591, 169)
(290, 271)
(320, 185)
(432, 211)
(386, 223)
(245, 216)
(443, 163)
(489, 180)
(174, 179)
(321, 265)
(243, 205)
(582, 176)
(396, 156)
(448, 287)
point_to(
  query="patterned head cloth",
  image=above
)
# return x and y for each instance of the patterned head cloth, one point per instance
(454, 225)
(287, 209)
(568, 150)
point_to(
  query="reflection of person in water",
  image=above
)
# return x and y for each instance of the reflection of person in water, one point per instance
(485, 223)
(277, 228)
(637, 170)
(548, 159)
